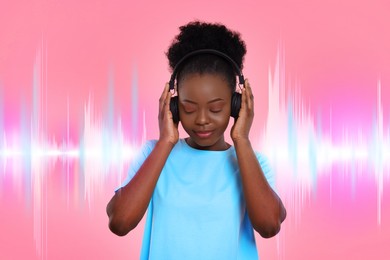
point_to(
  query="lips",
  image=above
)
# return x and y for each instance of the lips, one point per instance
(203, 134)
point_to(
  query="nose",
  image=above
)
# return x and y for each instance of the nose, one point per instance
(202, 117)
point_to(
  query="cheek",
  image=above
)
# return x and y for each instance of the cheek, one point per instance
(186, 120)
(222, 119)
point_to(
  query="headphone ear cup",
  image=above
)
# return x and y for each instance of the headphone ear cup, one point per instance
(174, 107)
(236, 105)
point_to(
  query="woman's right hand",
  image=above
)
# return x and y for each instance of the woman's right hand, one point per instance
(168, 129)
(128, 206)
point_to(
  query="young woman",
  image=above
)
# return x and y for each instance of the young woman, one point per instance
(204, 196)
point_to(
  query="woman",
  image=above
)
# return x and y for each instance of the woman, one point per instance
(204, 196)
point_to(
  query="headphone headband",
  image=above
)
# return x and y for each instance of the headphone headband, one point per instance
(205, 51)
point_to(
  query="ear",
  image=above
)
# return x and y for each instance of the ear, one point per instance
(175, 89)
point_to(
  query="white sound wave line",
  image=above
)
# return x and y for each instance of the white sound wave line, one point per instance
(300, 155)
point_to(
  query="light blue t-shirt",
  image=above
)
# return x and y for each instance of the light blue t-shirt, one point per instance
(197, 210)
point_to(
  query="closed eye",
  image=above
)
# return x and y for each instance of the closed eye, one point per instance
(189, 108)
(216, 108)
(188, 111)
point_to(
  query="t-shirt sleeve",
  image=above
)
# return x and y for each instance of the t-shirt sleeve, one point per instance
(267, 170)
(137, 161)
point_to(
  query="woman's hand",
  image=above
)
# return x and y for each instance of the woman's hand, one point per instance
(129, 204)
(168, 130)
(241, 127)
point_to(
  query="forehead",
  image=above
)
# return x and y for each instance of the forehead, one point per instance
(204, 86)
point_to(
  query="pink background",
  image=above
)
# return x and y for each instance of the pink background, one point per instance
(87, 75)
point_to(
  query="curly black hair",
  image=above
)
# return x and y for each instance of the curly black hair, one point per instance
(201, 35)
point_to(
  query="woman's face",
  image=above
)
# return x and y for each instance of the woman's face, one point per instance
(204, 109)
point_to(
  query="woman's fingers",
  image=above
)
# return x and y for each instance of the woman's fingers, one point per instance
(247, 103)
(167, 103)
(164, 105)
(163, 97)
(249, 95)
(168, 130)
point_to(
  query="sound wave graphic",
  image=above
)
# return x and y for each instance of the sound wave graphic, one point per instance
(29, 155)
(297, 149)
(300, 152)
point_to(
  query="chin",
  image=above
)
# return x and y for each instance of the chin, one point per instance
(203, 144)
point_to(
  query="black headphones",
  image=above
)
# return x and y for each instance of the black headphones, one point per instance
(236, 97)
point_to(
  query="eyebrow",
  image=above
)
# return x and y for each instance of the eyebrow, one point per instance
(211, 101)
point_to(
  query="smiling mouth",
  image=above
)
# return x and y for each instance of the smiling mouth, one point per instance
(203, 134)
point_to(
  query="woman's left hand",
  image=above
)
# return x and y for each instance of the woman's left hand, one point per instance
(242, 125)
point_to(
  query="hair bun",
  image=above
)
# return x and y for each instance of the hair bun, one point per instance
(200, 35)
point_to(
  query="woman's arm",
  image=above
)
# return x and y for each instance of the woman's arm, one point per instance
(129, 204)
(265, 209)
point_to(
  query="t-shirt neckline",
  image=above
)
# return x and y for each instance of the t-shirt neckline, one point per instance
(185, 144)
